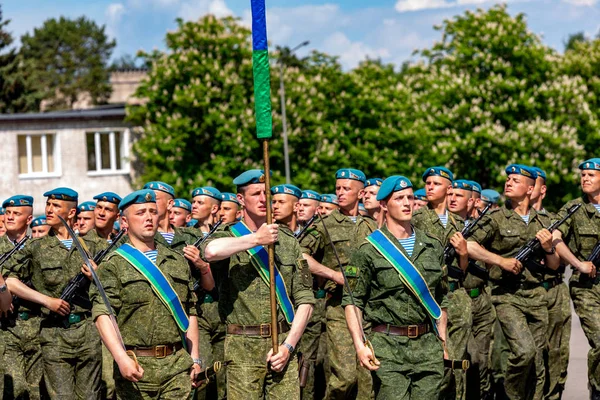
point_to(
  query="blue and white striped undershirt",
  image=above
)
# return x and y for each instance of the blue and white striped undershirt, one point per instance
(444, 218)
(168, 236)
(152, 254)
(525, 218)
(597, 206)
(353, 218)
(67, 243)
(408, 244)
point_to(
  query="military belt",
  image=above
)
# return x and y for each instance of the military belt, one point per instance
(160, 351)
(454, 285)
(262, 330)
(411, 331)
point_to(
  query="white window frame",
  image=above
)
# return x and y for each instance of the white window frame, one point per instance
(56, 152)
(124, 147)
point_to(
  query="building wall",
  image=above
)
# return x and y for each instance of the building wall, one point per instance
(72, 153)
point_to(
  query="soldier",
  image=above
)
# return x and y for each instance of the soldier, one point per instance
(307, 206)
(408, 359)
(180, 213)
(539, 192)
(229, 211)
(152, 312)
(370, 197)
(71, 351)
(328, 204)
(489, 196)
(284, 202)
(2, 227)
(165, 196)
(244, 301)
(574, 242)
(206, 202)
(474, 211)
(85, 217)
(39, 227)
(22, 356)
(420, 199)
(518, 293)
(106, 214)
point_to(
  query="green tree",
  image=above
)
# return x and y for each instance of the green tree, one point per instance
(573, 39)
(66, 58)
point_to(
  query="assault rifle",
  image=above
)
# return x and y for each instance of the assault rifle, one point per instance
(594, 257)
(306, 226)
(199, 243)
(6, 256)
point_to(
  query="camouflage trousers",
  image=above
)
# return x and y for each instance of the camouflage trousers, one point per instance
(72, 359)
(346, 379)
(460, 321)
(484, 318)
(410, 368)
(22, 360)
(309, 348)
(559, 335)
(248, 377)
(211, 333)
(523, 318)
(166, 378)
(586, 299)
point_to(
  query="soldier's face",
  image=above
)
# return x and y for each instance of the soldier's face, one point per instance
(327, 208)
(2, 227)
(164, 202)
(518, 186)
(40, 231)
(539, 189)
(141, 220)
(348, 192)
(419, 204)
(399, 205)
(460, 200)
(437, 188)
(179, 217)
(229, 211)
(254, 200)
(85, 222)
(203, 207)
(283, 207)
(17, 219)
(105, 214)
(306, 208)
(370, 198)
(590, 181)
(62, 208)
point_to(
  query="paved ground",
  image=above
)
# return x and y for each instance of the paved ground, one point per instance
(576, 388)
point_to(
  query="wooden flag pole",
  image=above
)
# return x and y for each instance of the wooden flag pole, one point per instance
(271, 250)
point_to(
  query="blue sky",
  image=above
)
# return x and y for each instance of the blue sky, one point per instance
(350, 29)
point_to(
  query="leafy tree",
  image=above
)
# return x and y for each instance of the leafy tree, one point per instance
(127, 61)
(66, 58)
(573, 39)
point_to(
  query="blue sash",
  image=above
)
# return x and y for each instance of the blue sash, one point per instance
(260, 260)
(158, 282)
(409, 274)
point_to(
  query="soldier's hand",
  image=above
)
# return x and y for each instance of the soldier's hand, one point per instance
(587, 267)
(367, 358)
(267, 234)
(130, 370)
(511, 265)
(337, 277)
(545, 238)
(192, 253)
(459, 243)
(278, 361)
(58, 306)
(85, 270)
(195, 371)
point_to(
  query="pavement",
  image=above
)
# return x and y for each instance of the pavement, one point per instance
(576, 386)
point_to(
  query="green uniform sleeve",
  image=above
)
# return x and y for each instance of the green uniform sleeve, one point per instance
(301, 280)
(19, 265)
(566, 228)
(107, 273)
(360, 260)
(484, 231)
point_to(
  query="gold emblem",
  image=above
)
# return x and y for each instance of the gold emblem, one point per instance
(444, 174)
(262, 178)
(403, 184)
(104, 198)
(53, 197)
(148, 197)
(12, 202)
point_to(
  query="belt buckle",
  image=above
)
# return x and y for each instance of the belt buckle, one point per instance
(264, 328)
(413, 331)
(160, 351)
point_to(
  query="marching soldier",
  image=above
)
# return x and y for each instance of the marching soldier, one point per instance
(229, 210)
(370, 197)
(106, 213)
(85, 217)
(420, 199)
(2, 227)
(180, 213)
(307, 206)
(329, 203)
(39, 227)
(206, 202)
(165, 197)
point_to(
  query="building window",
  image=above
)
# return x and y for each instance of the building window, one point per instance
(107, 152)
(38, 155)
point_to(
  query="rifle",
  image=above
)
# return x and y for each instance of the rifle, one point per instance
(306, 226)
(199, 243)
(6, 256)
(80, 280)
(533, 245)
(9, 319)
(594, 257)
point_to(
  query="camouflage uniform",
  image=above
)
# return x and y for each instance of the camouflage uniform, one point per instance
(343, 373)
(146, 322)
(581, 233)
(520, 300)
(244, 300)
(71, 350)
(459, 303)
(411, 368)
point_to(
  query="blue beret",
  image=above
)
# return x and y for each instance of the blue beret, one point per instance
(540, 172)
(39, 221)
(225, 196)
(192, 223)
(18, 201)
(438, 171)
(207, 191)
(86, 206)
(476, 186)
(183, 203)
(421, 194)
(329, 198)
(393, 184)
(311, 195)
(62, 193)
(521, 169)
(163, 187)
(351, 173)
(373, 182)
(109, 197)
(489, 195)
(249, 177)
(592, 163)
(2, 210)
(138, 197)
(462, 184)
(287, 189)
(361, 207)
(117, 226)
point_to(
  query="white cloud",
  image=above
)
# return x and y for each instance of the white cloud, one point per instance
(588, 3)
(416, 5)
(154, 3)
(194, 9)
(114, 12)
